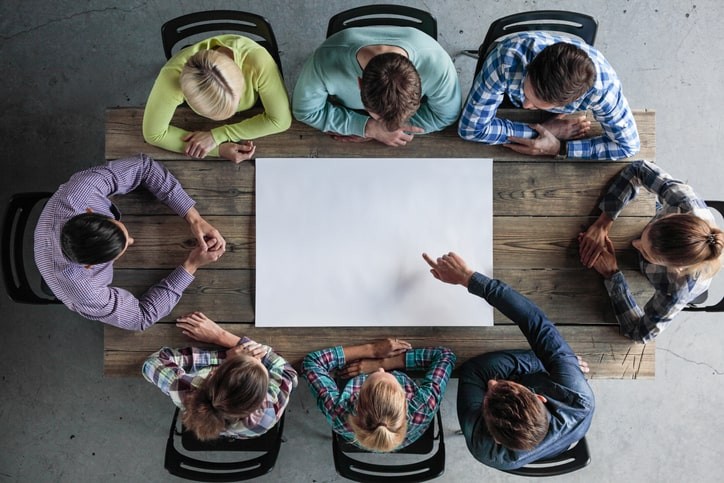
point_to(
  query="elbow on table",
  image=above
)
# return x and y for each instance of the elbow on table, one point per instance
(152, 137)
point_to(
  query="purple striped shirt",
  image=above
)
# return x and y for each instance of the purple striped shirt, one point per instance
(86, 290)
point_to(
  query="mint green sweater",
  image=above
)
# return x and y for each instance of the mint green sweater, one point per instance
(333, 70)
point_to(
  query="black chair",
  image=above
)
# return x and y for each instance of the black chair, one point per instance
(695, 305)
(574, 23)
(424, 470)
(398, 15)
(253, 26)
(573, 459)
(185, 466)
(22, 279)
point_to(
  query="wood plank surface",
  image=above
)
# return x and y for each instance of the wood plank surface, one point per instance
(568, 297)
(539, 188)
(124, 138)
(609, 355)
(539, 208)
(518, 242)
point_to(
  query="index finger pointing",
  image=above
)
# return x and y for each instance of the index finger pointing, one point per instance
(429, 260)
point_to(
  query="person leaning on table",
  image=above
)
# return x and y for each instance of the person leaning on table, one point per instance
(217, 78)
(401, 76)
(79, 236)
(680, 250)
(518, 406)
(240, 392)
(553, 73)
(380, 408)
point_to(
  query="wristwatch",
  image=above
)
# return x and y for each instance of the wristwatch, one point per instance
(563, 151)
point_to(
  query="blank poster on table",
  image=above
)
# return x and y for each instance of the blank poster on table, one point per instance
(339, 241)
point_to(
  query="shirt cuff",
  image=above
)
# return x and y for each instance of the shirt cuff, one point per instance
(477, 282)
(614, 283)
(180, 278)
(339, 356)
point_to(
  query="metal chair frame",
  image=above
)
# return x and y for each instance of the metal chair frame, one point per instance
(385, 14)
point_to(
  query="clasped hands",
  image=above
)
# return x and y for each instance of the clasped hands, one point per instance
(210, 244)
(550, 135)
(596, 248)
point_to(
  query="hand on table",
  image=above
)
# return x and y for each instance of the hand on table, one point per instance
(199, 327)
(360, 366)
(545, 144)
(606, 263)
(199, 143)
(583, 365)
(198, 257)
(376, 130)
(592, 242)
(250, 348)
(568, 128)
(389, 348)
(450, 268)
(208, 237)
(237, 152)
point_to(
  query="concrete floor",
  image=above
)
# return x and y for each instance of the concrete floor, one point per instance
(65, 61)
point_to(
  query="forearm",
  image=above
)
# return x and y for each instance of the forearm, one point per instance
(361, 351)
(601, 148)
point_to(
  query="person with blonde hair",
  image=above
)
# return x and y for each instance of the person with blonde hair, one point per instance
(217, 78)
(380, 408)
(679, 250)
(241, 392)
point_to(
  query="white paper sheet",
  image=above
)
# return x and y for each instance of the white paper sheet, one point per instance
(339, 241)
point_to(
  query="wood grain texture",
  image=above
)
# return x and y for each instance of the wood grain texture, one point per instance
(610, 356)
(540, 188)
(124, 138)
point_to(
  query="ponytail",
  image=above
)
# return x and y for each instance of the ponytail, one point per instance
(685, 240)
(380, 423)
(237, 388)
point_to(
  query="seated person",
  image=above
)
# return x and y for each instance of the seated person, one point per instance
(239, 392)
(79, 235)
(217, 78)
(518, 406)
(380, 408)
(401, 76)
(558, 74)
(680, 249)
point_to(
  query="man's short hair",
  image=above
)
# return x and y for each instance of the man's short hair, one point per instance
(391, 88)
(90, 239)
(514, 416)
(561, 73)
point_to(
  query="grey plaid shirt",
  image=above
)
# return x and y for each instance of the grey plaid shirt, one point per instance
(673, 289)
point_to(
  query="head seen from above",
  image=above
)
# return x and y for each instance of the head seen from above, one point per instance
(558, 75)
(91, 239)
(681, 240)
(390, 89)
(514, 415)
(211, 83)
(380, 422)
(235, 389)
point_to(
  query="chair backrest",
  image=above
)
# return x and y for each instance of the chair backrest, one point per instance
(573, 459)
(179, 463)
(574, 23)
(22, 279)
(251, 25)
(423, 470)
(695, 305)
(398, 15)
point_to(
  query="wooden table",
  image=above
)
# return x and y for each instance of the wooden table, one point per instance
(539, 207)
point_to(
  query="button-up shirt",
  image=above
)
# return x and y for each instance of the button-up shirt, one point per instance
(423, 399)
(84, 289)
(504, 72)
(674, 288)
(178, 372)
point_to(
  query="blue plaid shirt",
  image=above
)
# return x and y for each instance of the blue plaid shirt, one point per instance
(422, 400)
(674, 289)
(504, 72)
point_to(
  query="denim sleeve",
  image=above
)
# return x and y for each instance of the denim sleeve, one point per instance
(549, 346)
